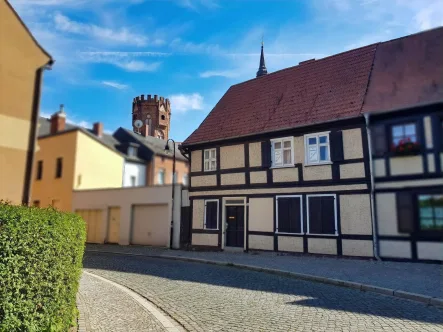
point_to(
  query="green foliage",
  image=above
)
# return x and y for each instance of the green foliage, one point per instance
(41, 252)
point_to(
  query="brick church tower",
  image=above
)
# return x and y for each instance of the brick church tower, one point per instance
(155, 113)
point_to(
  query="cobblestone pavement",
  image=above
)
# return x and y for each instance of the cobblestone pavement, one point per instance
(109, 309)
(426, 279)
(204, 297)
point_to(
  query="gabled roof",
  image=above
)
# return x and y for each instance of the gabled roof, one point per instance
(313, 92)
(156, 145)
(107, 140)
(407, 71)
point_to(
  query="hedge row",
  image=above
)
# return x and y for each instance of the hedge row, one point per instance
(41, 252)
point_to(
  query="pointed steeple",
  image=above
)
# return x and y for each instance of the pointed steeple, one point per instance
(262, 67)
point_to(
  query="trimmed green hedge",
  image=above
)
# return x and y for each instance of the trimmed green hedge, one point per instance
(41, 252)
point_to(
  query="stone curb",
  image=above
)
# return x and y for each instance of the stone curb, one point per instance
(83, 320)
(428, 300)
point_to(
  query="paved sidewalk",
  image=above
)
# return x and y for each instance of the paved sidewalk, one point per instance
(106, 308)
(425, 279)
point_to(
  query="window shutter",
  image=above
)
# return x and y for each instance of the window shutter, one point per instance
(211, 215)
(437, 131)
(336, 145)
(266, 154)
(315, 215)
(328, 214)
(405, 212)
(379, 140)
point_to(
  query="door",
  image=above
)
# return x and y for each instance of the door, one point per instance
(235, 229)
(93, 219)
(151, 225)
(113, 225)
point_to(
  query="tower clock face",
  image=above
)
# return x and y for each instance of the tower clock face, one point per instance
(138, 124)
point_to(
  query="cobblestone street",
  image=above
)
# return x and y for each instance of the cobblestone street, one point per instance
(206, 298)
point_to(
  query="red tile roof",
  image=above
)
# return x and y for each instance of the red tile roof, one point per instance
(328, 89)
(407, 72)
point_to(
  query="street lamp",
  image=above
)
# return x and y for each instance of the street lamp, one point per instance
(168, 151)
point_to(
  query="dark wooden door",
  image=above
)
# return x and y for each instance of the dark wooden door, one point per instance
(235, 231)
(185, 227)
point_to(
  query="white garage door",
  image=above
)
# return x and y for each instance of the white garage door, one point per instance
(150, 225)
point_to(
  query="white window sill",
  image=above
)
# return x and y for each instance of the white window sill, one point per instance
(284, 166)
(210, 229)
(319, 164)
(281, 233)
(331, 235)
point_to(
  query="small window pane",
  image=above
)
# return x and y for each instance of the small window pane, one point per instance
(397, 131)
(213, 153)
(287, 144)
(313, 154)
(206, 165)
(213, 167)
(323, 139)
(324, 153)
(312, 140)
(206, 154)
(426, 223)
(277, 145)
(397, 140)
(278, 157)
(287, 157)
(410, 130)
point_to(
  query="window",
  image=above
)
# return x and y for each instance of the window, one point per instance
(161, 176)
(282, 152)
(39, 169)
(403, 133)
(322, 214)
(59, 168)
(210, 160)
(133, 180)
(185, 179)
(289, 214)
(132, 151)
(211, 214)
(36, 203)
(431, 212)
(317, 149)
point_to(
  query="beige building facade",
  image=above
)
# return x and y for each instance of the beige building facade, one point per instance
(22, 62)
(275, 207)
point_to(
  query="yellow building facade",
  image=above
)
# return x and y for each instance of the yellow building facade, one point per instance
(22, 62)
(85, 164)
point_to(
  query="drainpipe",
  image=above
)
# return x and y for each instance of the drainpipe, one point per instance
(372, 195)
(32, 139)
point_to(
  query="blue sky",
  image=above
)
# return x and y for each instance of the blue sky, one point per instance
(109, 51)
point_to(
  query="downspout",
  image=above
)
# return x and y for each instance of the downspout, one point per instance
(372, 195)
(32, 140)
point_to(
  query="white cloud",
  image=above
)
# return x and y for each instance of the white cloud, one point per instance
(430, 16)
(119, 61)
(121, 36)
(220, 73)
(190, 47)
(197, 4)
(115, 85)
(181, 103)
(125, 54)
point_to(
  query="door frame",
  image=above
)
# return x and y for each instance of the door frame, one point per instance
(223, 219)
(108, 223)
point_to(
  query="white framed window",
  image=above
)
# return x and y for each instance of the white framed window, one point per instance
(322, 214)
(317, 150)
(161, 176)
(282, 152)
(132, 151)
(210, 160)
(211, 214)
(289, 214)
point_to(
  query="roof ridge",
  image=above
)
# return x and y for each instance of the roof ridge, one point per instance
(412, 35)
(308, 64)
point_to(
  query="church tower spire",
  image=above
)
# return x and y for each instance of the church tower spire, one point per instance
(262, 67)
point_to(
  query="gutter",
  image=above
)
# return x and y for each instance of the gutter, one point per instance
(372, 195)
(32, 140)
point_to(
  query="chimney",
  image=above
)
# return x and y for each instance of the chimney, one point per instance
(144, 130)
(58, 121)
(98, 129)
(306, 61)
